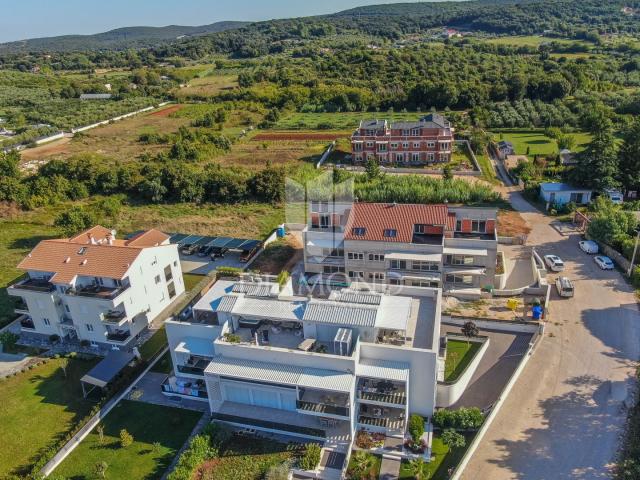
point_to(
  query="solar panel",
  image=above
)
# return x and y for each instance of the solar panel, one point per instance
(249, 245)
(176, 237)
(211, 241)
(221, 242)
(235, 243)
(203, 241)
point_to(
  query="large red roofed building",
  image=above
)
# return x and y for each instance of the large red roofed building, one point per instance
(426, 141)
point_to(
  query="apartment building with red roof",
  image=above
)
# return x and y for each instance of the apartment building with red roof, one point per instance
(426, 141)
(438, 246)
(96, 287)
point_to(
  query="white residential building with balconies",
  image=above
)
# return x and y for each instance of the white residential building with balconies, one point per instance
(97, 288)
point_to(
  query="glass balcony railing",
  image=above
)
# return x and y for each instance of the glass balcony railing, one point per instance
(322, 408)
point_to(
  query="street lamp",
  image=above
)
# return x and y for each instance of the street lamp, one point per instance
(635, 250)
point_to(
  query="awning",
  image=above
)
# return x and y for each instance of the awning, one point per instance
(422, 257)
(326, 380)
(394, 313)
(108, 368)
(383, 369)
(465, 271)
(433, 277)
(466, 251)
(196, 346)
(325, 243)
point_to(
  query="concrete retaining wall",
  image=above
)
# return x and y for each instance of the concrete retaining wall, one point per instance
(500, 279)
(449, 393)
(50, 138)
(504, 325)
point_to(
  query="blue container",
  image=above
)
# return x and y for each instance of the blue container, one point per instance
(280, 232)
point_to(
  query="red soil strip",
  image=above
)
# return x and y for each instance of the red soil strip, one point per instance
(300, 137)
(165, 112)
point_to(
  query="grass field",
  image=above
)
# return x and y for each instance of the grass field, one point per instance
(459, 355)
(158, 434)
(156, 343)
(163, 365)
(537, 142)
(39, 407)
(191, 280)
(532, 41)
(442, 460)
(206, 86)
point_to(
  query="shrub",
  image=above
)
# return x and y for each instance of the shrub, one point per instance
(278, 472)
(8, 339)
(228, 272)
(231, 337)
(311, 457)
(416, 427)
(635, 277)
(126, 438)
(453, 439)
(461, 419)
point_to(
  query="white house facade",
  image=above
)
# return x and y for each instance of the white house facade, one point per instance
(97, 288)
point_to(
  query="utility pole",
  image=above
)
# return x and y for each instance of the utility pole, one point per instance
(635, 250)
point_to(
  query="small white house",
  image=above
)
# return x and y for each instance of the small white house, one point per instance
(561, 193)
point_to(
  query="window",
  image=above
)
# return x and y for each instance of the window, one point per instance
(394, 281)
(376, 257)
(358, 231)
(324, 221)
(398, 264)
(415, 157)
(155, 261)
(419, 228)
(424, 266)
(382, 147)
(369, 144)
(405, 133)
(168, 275)
(321, 207)
(332, 269)
(355, 256)
(390, 232)
(430, 157)
(376, 276)
(172, 290)
(46, 321)
(336, 252)
(357, 147)
(157, 279)
(399, 157)
(405, 144)
(479, 226)
(394, 145)
(460, 279)
(458, 225)
(431, 144)
(416, 144)
(460, 260)
(415, 132)
(356, 274)
(424, 283)
(89, 327)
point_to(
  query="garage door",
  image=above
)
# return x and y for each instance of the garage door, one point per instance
(288, 401)
(237, 394)
(265, 398)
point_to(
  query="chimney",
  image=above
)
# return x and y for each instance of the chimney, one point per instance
(109, 239)
(92, 240)
(67, 260)
(113, 234)
(83, 262)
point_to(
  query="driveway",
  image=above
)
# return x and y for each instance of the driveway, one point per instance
(561, 420)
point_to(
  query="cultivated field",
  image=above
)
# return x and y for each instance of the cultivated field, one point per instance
(345, 122)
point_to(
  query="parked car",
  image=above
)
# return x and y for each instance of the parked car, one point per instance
(189, 249)
(589, 246)
(605, 263)
(554, 263)
(204, 250)
(564, 286)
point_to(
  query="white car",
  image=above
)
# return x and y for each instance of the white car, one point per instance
(589, 246)
(605, 263)
(554, 263)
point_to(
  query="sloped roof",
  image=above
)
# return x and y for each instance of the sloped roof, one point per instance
(377, 217)
(150, 238)
(67, 258)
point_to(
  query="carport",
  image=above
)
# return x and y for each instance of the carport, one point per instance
(105, 371)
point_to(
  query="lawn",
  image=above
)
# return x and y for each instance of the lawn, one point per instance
(39, 407)
(459, 355)
(191, 280)
(158, 434)
(163, 365)
(537, 142)
(245, 458)
(156, 343)
(443, 460)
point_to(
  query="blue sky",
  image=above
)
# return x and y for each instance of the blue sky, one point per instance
(21, 19)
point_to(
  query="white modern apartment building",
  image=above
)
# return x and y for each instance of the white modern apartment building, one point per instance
(96, 287)
(320, 367)
(439, 246)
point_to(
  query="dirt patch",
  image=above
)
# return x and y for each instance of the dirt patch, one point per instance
(511, 224)
(280, 255)
(165, 112)
(56, 147)
(489, 308)
(297, 137)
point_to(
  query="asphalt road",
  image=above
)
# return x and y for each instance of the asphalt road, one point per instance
(564, 417)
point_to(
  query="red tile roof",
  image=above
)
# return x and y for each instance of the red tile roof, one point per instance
(378, 217)
(67, 258)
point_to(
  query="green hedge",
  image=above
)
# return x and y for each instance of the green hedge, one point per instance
(461, 419)
(416, 427)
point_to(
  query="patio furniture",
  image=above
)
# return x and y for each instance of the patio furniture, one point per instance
(307, 344)
(275, 329)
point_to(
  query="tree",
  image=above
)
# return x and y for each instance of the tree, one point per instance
(419, 469)
(598, 164)
(629, 156)
(610, 223)
(101, 468)
(447, 172)
(8, 340)
(372, 169)
(470, 330)
(74, 220)
(9, 164)
(453, 439)
(126, 438)
(362, 463)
